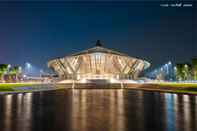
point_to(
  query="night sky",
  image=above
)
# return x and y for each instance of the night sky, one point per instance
(39, 31)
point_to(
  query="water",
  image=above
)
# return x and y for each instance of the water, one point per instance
(98, 110)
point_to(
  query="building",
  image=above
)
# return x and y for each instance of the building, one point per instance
(98, 63)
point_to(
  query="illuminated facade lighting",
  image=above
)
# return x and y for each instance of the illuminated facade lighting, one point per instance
(98, 63)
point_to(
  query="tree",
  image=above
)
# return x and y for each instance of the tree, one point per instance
(179, 72)
(15, 71)
(194, 64)
(3, 69)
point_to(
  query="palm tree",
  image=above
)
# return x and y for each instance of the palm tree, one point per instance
(3, 69)
(15, 71)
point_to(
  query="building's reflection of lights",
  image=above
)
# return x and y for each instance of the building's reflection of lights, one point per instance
(75, 109)
(116, 106)
(19, 103)
(140, 95)
(28, 110)
(112, 110)
(175, 97)
(120, 106)
(83, 110)
(186, 98)
(19, 110)
(140, 110)
(169, 105)
(8, 112)
(102, 105)
(195, 99)
(187, 113)
(176, 110)
(196, 110)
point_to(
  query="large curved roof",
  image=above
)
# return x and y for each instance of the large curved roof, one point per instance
(105, 59)
(99, 49)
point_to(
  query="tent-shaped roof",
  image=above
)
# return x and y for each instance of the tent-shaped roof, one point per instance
(99, 49)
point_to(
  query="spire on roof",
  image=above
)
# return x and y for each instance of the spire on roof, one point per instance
(98, 43)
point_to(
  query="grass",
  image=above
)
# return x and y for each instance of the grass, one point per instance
(186, 91)
(171, 84)
(190, 88)
(10, 86)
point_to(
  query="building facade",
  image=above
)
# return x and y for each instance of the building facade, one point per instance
(98, 63)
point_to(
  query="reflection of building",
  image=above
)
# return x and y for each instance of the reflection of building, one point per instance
(98, 63)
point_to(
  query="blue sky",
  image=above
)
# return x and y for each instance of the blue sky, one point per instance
(39, 31)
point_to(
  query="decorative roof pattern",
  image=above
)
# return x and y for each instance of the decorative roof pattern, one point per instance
(98, 61)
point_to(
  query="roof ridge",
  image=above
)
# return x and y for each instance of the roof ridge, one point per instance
(99, 49)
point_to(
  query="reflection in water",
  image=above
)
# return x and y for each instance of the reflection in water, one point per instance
(169, 111)
(176, 110)
(98, 110)
(8, 112)
(18, 112)
(186, 111)
(27, 110)
(101, 106)
(140, 110)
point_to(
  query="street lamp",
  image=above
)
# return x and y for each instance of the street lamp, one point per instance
(27, 65)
